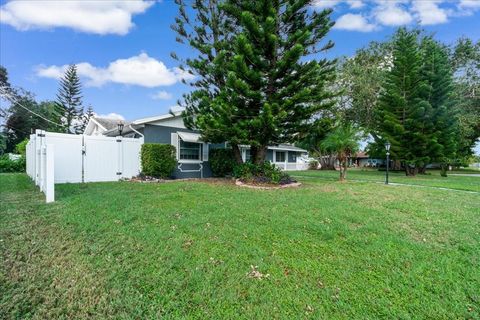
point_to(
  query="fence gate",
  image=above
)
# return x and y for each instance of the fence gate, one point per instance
(80, 158)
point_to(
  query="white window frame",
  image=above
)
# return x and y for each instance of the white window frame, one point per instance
(284, 154)
(200, 160)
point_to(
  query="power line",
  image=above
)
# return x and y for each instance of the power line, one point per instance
(4, 93)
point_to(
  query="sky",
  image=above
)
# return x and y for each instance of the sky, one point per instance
(122, 48)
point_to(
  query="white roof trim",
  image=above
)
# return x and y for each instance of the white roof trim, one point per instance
(157, 118)
(97, 123)
(284, 148)
(287, 149)
(189, 137)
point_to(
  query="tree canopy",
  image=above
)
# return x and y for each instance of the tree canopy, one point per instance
(256, 85)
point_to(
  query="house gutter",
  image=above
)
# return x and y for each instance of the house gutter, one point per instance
(130, 126)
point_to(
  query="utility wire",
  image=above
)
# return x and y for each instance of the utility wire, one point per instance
(5, 94)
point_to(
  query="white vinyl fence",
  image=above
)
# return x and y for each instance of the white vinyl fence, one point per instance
(80, 158)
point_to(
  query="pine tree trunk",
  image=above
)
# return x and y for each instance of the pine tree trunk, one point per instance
(411, 171)
(260, 155)
(443, 170)
(397, 165)
(422, 170)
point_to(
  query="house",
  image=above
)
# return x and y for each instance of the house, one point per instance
(97, 126)
(192, 152)
(362, 159)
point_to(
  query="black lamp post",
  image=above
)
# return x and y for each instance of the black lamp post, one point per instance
(387, 147)
(120, 128)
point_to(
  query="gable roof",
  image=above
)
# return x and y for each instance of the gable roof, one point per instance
(107, 123)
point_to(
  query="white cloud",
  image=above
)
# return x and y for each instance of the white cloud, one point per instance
(475, 4)
(140, 70)
(162, 95)
(111, 115)
(429, 12)
(355, 4)
(354, 22)
(91, 16)
(321, 4)
(392, 14)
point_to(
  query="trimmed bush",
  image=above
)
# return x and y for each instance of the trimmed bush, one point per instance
(7, 165)
(222, 162)
(266, 173)
(158, 160)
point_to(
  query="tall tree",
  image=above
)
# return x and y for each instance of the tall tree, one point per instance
(69, 100)
(465, 60)
(208, 31)
(269, 93)
(403, 111)
(444, 132)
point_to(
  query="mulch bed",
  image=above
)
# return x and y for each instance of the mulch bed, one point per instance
(266, 186)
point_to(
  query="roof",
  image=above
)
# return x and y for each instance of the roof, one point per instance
(157, 118)
(361, 154)
(287, 147)
(107, 123)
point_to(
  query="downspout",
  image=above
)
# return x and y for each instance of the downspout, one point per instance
(130, 126)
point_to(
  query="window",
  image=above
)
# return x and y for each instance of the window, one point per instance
(292, 156)
(280, 156)
(190, 150)
(248, 155)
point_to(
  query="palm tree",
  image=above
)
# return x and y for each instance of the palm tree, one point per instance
(344, 142)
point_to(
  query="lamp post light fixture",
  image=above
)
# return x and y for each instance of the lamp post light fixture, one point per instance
(387, 147)
(120, 128)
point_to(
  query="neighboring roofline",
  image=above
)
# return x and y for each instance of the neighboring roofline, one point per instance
(292, 148)
(98, 123)
(156, 118)
(284, 148)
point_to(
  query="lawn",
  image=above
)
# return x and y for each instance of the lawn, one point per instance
(455, 180)
(327, 250)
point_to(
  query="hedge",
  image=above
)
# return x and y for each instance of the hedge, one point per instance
(158, 160)
(222, 162)
(7, 165)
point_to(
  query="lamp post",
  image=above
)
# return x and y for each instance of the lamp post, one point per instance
(387, 147)
(120, 128)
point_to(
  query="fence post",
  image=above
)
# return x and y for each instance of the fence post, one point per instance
(119, 157)
(38, 155)
(49, 173)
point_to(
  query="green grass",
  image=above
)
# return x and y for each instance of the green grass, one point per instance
(183, 250)
(431, 179)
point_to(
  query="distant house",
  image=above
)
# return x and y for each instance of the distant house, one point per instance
(97, 126)
(363, 160)
(192, 152)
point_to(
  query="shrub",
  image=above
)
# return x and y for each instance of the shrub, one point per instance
(21, 147)
(266, 173)
(7, 165)
(313, 165)
(158, 160)
(222, 162)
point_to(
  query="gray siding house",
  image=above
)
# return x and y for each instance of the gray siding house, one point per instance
(192, 153)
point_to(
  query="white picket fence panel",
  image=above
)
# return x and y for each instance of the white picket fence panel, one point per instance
(79, 158)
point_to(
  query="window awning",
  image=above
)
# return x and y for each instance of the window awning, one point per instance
(189, 137)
